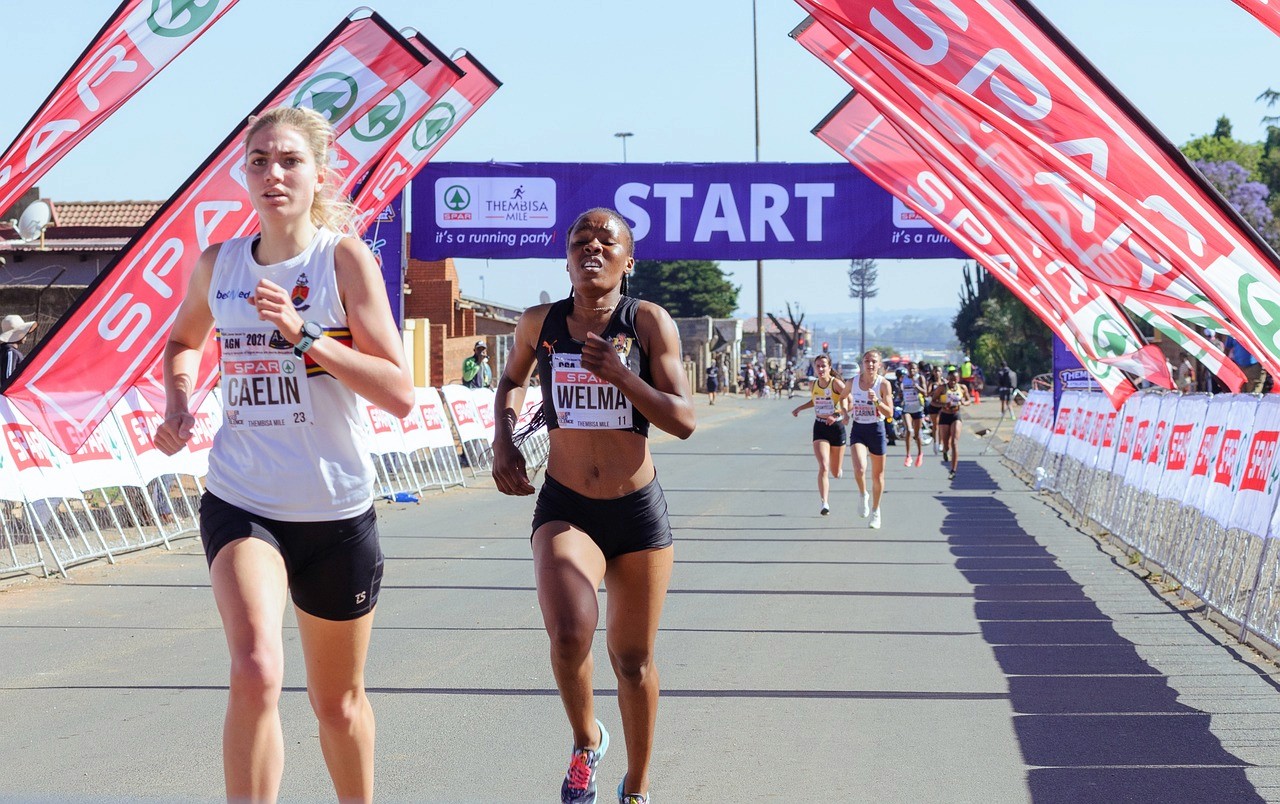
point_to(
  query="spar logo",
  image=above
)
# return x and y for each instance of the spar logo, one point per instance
(1110, 338)
(25, 447)
(1061, 428)
(331, 93)
(380, 421)
(1140, 441)
(906, 218)
(1126, 434)
(462, 412)
(457, 198)
(382, 120)
(473, 202)
(1228, 454)
(434, 125)
(1261, 314)
(1207, 441)
(1154, 456)
(1179, 441)
(1262, 453)
(177, 18)
(432, 417)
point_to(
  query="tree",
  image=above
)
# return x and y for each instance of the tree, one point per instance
(790, 333)
(685, 288)
(978, 287)
(1248, 197)
(862, 286)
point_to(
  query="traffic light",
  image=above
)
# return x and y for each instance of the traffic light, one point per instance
(800, 342)
(826, 347)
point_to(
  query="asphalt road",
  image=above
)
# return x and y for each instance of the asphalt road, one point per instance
(976, 648)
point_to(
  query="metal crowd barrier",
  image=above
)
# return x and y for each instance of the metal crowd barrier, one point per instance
(1186, 482)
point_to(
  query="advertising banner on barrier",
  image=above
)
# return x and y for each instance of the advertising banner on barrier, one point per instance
(1127, 417)
(104, 460)
(43, 471)
(413, 430)
(10, 490)
(1144, 426)
(436, 430)
(461, 406)
(1206, 452)
(383, 435)
(484, 399)
(117, 329)
(689, 211)
(139, 40)
(1158, 448)
(194, 460)
(138, 421)
(1228, 467)
(1184, 437)
(1255, 497)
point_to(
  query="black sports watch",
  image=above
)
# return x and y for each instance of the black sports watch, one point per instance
(311, 332)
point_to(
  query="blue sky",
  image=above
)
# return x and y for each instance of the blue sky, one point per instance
(676, 73)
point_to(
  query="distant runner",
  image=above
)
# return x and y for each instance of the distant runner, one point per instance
(950, 398)
(870, 401)
(826, 397)
(913, 395)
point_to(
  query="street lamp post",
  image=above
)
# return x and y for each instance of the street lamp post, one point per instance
(755, 77)
(622, 135)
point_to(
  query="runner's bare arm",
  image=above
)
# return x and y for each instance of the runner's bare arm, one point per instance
(376, 368)
(667, 403)
(182, 353)
(509, 473)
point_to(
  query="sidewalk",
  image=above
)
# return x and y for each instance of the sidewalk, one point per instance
(975, 649)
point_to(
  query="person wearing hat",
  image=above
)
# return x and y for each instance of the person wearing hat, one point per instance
(13, 331)
(475, 369)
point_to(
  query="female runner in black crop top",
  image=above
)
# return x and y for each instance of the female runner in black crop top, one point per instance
(600, 475)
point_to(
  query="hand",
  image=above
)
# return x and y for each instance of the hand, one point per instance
(174, 432)
(599, 358)
(275, 306)
(509, 472)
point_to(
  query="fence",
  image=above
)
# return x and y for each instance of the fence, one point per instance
(119, 493)
(1189, 482)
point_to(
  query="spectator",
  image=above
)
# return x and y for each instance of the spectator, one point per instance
(475, 369)
(13, 331)
(713, 380)
(1006, 382)
(1186, 375)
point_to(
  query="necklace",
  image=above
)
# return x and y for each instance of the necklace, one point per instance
(595, 309)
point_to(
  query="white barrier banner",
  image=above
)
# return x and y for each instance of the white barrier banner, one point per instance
(484, 401)
(383, 434)
(139, 421)
(435, 424)
(1037, 416)
(194, 460)
(9, 488)
(413, 429)
(462, 410)
(1184, 437)
(1061, 423)
(104, 460)
(1255, 499)
(1127, 417)
(43, 471)
(1078, 448)
(1158, 447)
(1215, 423)
(1229, 464)
(1148, 409)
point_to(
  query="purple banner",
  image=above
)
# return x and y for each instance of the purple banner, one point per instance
(1068, 373)
(721, 211)
(385, 238)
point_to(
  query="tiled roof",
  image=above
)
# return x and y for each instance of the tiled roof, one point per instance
(105, 214)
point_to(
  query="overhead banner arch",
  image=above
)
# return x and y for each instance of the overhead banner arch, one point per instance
(689, 211)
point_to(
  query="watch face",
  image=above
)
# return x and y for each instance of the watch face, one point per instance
(312, 330)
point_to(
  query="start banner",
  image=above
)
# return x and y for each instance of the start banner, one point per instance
(694, 211)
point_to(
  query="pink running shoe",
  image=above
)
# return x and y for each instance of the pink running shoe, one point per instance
(906, 461)
(920, 460)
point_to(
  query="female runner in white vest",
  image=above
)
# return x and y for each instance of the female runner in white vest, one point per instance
(870, 400)
(610, 365)
(289, 505)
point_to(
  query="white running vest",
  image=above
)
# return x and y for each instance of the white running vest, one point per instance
(292, 446)
(863, 408)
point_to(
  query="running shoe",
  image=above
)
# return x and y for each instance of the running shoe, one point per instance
(936, 447)
(952, 475)
(866, 504)
(906, 461)
(826, 509)
(875, 519)
(630, 798)
(946, 458)
(920, 459)
(579, 785)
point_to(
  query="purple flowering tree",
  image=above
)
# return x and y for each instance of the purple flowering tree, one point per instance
(1248, 197)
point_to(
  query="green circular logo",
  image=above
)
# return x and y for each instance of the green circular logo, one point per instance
(287, 367)
(457, 198)
(378, 124)
(434, 125)
(1261, 314)
(331, 94)
(181, 17)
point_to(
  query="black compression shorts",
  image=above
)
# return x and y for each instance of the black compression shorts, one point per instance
(626, 524)
(334, 567)
(833, 434)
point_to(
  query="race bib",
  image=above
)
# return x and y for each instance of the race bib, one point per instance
(864, 406)
(583, 401)
(910, 396)
(263, 383)
(824, 406)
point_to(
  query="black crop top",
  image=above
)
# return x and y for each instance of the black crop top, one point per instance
(573, 397)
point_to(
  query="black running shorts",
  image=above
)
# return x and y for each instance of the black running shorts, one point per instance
(833, 434)
(626, 524)
(948, 418)
(334, 568)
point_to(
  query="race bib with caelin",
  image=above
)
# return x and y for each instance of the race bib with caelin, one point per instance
(583, 400)
(263, 383)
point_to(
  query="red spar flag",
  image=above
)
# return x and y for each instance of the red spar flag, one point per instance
(422, 142)
(871, 142)
(138, 41)
(117, 329)
(1104, 331)
(1267, 12)
(1102, 162)
(355, 151)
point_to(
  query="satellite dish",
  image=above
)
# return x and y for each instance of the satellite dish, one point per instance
(33, 221)
(544, 298)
